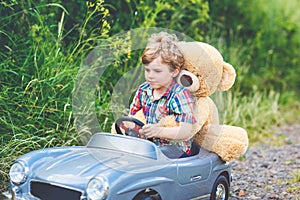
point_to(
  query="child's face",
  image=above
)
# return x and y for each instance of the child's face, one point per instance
(159, 75)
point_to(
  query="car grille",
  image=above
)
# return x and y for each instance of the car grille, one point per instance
(46, 191)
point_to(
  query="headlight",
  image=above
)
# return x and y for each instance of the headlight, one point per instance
(18, 173)
(97, 188)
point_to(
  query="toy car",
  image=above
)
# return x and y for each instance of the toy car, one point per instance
(114, 166)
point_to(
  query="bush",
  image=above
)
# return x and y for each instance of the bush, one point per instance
(270, 30)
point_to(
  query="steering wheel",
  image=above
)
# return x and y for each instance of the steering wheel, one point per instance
(133, 132)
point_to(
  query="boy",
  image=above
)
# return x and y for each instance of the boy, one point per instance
(161, 96)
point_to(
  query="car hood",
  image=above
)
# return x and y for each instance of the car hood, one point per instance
(79, 166)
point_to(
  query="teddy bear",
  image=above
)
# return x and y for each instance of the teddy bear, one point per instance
(205, 72)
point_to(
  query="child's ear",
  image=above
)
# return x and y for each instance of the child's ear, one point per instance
(176, 72)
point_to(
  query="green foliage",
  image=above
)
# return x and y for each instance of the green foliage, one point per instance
(175, 15)
(40, 60)
(270, 30)
(257, 113)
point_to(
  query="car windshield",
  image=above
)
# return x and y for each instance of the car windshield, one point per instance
(122, 143)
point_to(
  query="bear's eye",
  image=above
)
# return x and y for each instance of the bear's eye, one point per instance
(186, 80)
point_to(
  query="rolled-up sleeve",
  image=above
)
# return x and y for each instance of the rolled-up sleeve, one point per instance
(136, 102)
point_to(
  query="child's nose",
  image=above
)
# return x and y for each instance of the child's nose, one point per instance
(150, 74)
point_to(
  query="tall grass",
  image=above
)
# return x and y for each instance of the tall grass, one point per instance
(37, 79)
(244, 105)
(247, 104)
(258, 113)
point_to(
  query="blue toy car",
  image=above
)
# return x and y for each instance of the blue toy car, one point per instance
(118, 167)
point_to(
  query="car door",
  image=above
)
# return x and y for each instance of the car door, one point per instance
(193, 175)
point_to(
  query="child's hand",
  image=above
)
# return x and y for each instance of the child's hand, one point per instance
(150, 131)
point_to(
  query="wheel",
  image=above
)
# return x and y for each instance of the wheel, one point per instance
(151, 195)
(144, 197)
(220, 189)
(134, 132)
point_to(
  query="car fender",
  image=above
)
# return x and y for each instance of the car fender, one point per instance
(223, 167)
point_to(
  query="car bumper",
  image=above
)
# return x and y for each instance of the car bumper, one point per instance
(11, 196)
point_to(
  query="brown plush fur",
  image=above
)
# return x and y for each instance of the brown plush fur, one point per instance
(204, 61)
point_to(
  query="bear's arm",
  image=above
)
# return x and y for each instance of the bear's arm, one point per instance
(202, 112)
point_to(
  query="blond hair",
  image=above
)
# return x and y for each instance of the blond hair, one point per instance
(164, 45)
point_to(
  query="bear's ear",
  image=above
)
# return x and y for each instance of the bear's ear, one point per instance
(228, 77)
(188, 80)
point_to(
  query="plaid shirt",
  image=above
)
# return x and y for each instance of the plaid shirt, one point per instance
(176, 101)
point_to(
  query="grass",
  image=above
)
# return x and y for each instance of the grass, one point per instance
(258, 113)
(247, 104)
(293, 188)
(37, 80)
(296, 177)
(292, 183)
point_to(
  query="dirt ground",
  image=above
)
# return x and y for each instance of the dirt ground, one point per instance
(269, 170)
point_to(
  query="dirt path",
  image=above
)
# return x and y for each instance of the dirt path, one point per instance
(270, 171)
